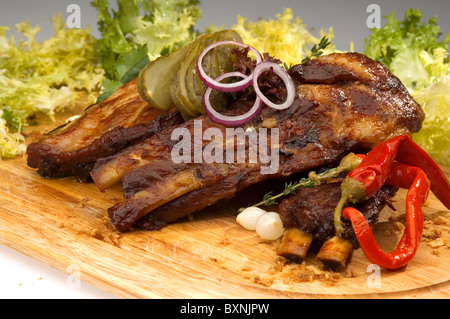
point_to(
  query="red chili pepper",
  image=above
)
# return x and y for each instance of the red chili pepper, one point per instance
(403, 176)
(375, 167)
(370, 175)
(401, 163)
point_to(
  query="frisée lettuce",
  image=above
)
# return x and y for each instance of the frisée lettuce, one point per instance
(43, 77)
(54, 74)
(417, 53)
(140, 31)
(434, 98)
(285, 38)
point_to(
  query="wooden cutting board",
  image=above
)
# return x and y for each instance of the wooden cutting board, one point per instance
(64, 223)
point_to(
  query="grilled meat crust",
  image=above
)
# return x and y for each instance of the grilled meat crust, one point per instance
(312, 210)
(345, 102)
(103, 129)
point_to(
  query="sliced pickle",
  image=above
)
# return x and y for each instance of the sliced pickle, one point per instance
(173, 79)
(187, 89)
(155, 79)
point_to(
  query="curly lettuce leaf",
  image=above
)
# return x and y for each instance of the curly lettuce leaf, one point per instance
(399, 44)
(128, 67)
(160, 25)
(384, 43)
(169, 27)
(11, 143)
(434, 99)
(418, 55)
(114, 28)
(43, 77)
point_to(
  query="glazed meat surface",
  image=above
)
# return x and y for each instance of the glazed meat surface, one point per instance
(344, 102)
(312, 210)
(103, 129)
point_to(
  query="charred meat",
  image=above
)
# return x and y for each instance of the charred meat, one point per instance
(308, 216)
(312, 210)
(103, 129)
(345, 102)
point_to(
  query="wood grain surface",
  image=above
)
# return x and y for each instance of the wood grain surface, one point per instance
(64, 224)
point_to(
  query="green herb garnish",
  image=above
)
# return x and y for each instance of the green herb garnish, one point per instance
(140, 31)
(317, 49)
(347, 164)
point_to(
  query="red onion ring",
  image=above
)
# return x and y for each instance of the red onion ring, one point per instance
(229, 120)
(281, 72)
(225, 87)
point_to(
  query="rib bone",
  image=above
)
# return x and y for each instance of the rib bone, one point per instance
(345, 102)
(102, 130)
(334, 253)
(294, 245)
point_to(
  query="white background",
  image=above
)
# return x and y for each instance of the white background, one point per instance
(23, 277)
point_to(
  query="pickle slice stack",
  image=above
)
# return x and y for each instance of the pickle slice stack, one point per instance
(173, 80)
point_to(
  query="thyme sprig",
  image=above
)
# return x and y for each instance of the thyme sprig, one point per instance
(347, 164)
(290, 188)
(317, 49)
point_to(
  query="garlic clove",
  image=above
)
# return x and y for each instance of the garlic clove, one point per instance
(269, 226)
(248, 217)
